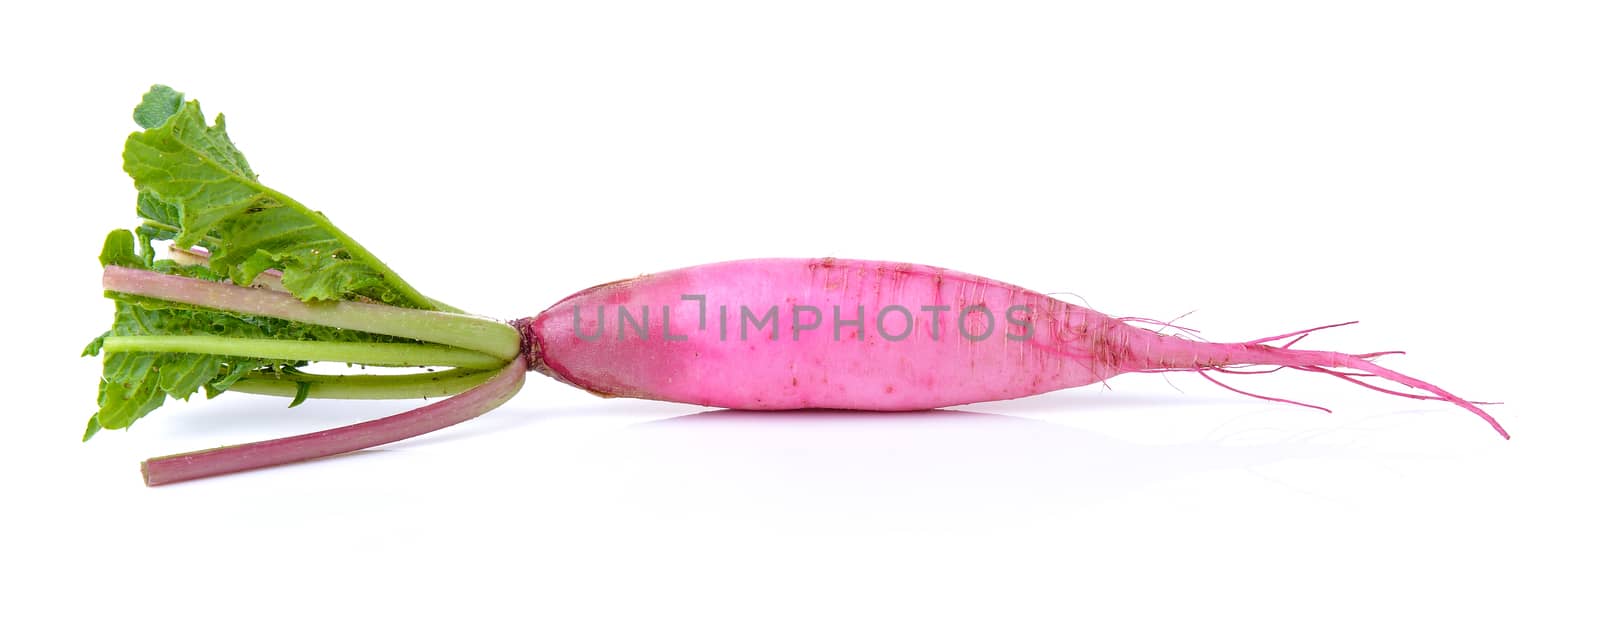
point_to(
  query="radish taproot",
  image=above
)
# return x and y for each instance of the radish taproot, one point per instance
(872, 335)
(259, 285)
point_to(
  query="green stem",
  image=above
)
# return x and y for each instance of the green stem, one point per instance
(167, 227)
(363, 386)
(384, 354)
(479, 334)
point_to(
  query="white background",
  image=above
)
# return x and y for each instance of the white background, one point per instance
(1426, 167)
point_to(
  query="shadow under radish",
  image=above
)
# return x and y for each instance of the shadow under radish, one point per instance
(866, 463)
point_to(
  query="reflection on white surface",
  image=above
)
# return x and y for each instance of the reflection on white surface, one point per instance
(937, 464)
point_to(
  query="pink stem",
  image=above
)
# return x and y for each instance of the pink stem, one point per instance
(223, 460)
(236, 298)
(445, 328)
(269, 279)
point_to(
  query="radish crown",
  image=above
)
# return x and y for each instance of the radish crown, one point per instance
(258, 287)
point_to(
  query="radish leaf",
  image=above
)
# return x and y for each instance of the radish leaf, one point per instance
(196, 187)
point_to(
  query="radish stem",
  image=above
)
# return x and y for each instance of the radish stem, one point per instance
(465, 406)
(362, 386)
(488, 336)
(385, 354)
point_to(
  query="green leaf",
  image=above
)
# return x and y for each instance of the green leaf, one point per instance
(161, 219)
(118, 250)
(197, 188)
(221, 384)
(302, 390)
(158, 104)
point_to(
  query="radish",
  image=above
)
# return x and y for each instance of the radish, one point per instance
(258, 285)
(874, 335)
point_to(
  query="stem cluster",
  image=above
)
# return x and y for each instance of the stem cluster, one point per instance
(485, 354)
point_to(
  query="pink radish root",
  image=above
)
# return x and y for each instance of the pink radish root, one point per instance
(1204, 357)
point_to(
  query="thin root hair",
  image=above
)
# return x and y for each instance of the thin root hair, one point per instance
(1298, 333)
(1165, 324)
(1276, 400)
